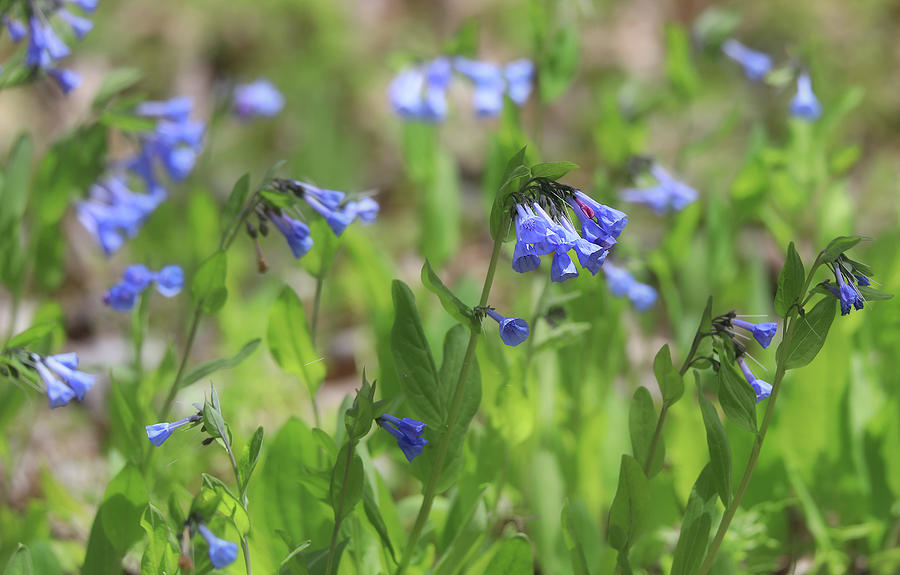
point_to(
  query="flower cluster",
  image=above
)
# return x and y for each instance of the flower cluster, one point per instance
(513, 330)
(45, 48)
(420, 92)
(113, 211)
(762, 332)
(137, 278)
(329, 204)
(158, 433)
(408, 433)
(622, 284)
(757, 65)
(61, 377)
(543, 227)
(849, 278)
(670, 195)
(257, 99)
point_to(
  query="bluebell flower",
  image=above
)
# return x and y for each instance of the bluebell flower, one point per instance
(656, 198)
(762, 332)
(590, 255)
(257, 99)
(63, 381)
(530, 227)
(755, 64)
(79, 381)
(862, 280)
(762, 389)
(805, 105)
(621, 283)
(365, 210)
(405, 92)
(113, 211)
(337, 219)
(489, 83)
(610, 220)
(17, 30)
(138, 276)
(847, 293)
(80, 26)
(175, 109)
(44, 46)
(420, 92)
(121, 297)
(222, 553)
(669, 195)
(169, 281)
(408, 433)
(562, 268)
(513, 330)
(525, 258)
(519, 78)
(58, 393)
(642, 296)
(67, 80)
(177, 145)
(86, 5)
(69, 359)
(295, 232)
(557, 239)
(158, 433)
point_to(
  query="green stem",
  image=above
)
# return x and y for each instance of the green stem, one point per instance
(242, 489)
(443, 443)
(339, 511)
(317, 302)
(138, 328)
(176, 383)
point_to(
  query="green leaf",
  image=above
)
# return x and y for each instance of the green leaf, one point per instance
(235, 204)
(20, 562)
(513, 557)
(452, 304)
(317, 560)
(213, 422)
(413, 361)
(642, 421)
(552, 170)
(373, 513)
(631, 506)
(695, 526)
(117, 522)
(114, 83)
(514, 175)
(208, 286)
(358, 419)
(160, 556)
(838, 246)
(559, 63)
(34, 333)
(671, 384)
(809, 332)
(737, 397)
(346, 487)
(719, 448)
(206, 368)
(790, 282)
(250, 456)
(573, 539)
(14, 197)
(680, 70)
(290, 342)
(871, 294)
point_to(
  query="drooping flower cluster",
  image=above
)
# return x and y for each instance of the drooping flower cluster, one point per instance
(36, 20)
(543, 227)
(257, 99)
(158, 433)
(757, 66)
(113, 210)
(137, 278)
(622, 284)
(62, 380)
(513, 330)
(670, 195)
(419, 92)
(408, 433)
(849, 277)
(762, 332)
(328, 204)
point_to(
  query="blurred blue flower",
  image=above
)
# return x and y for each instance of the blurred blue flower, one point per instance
(79, 381)
(67, 80)
(158, 433)
(222, 553)
(80, 26)
(295, 232)
(621, 283)
(86, 5)
(120, 297)
(169, 281)
(365, 210)
(420, 92)
(257, 99)
(58, 393)
(408, 433)
(138, 276)
(175, 109)
(805, 105)
(489, 83)
(63, 381)
(847, 293)
(669, 195)
(520, 78)
(762, 332)
(17, 30)
(862, 280)
(513, 330)
(755, 64)
(762, 389)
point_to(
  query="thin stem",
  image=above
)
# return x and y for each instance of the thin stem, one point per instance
(242, 489)
(317, 303)
(192, 335)
(339, 510)
(443, 444)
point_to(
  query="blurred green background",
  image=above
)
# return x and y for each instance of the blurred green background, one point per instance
(617, 79)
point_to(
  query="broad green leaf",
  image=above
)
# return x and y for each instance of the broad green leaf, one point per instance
(373, 513)
(552, 170)
(413, 360)
(317, 560)
(290, 342)
(695, 526)
(235, 204)
(573, 540)
(671, 384)
(452, 304)
(642, 421)
(346, 487)
(115, 82)
(790, 282)
(839, 245)
(160, 556)
(630, 508)
(513, 557)
(809, 332)
(871, 294)
(20, 563)
(32, 334)
(208, 285)
(737, 398)
(16, 181)
(719, 448)
(250, 455)
(206, 368)
(117, 523)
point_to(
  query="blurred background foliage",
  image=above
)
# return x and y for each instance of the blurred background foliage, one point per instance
(616, 79)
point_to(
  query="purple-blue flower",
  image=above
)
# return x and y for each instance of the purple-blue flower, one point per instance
(67, 80)
(58, 393)
(158, 433)
(175, 109)
(669, 195)
(169, 281)
(137, 278)
(762, 389)
(621, 283)
(762, 332)
(513, 330)
(847, 293)
(79, 381)
(63, 381)
(295, 232)
(420, 92)
(562, 268)
(80, 26)
(489, 84)
(755, 64)
(364, 210)
(257, 99)
(805, 105)
(525, 258)
(408, 433)
(222, 553)
(120, 297)
(17, 30)
(519, 78)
